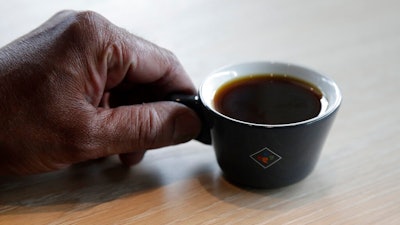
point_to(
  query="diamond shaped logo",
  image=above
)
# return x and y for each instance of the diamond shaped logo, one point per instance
(265, 157)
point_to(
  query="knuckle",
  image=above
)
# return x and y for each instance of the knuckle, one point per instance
(63, 14)
(175, 68)
(87, 14)
(148, 129)
(90, 19)
(86, 25)
(170, 58)
(84, 21)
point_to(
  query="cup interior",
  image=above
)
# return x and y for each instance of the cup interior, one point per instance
(217, 78)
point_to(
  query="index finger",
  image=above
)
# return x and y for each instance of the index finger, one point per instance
(147, 63)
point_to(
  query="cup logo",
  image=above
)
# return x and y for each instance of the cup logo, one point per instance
(265, 157)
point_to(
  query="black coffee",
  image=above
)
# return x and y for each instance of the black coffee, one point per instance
(268, 99)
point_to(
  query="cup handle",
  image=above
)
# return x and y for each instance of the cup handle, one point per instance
(193, 102)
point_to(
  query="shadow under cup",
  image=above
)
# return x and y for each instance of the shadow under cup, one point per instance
(266, 155)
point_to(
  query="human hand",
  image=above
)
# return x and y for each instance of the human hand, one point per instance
(80, 88)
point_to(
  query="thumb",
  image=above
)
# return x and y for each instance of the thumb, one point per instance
(137, 128)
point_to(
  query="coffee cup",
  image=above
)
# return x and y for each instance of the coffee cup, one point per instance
(265, 154)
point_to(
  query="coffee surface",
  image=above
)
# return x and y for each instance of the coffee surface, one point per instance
(268, 99)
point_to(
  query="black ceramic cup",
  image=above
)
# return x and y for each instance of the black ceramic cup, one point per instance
(264, 155)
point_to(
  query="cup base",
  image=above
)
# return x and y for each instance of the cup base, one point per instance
(261, 185)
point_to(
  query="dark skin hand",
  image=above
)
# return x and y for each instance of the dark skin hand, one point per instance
(79, 88)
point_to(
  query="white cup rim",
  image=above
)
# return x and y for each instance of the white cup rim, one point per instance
(327, 86)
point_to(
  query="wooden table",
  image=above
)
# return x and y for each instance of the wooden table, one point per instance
(357, 179)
